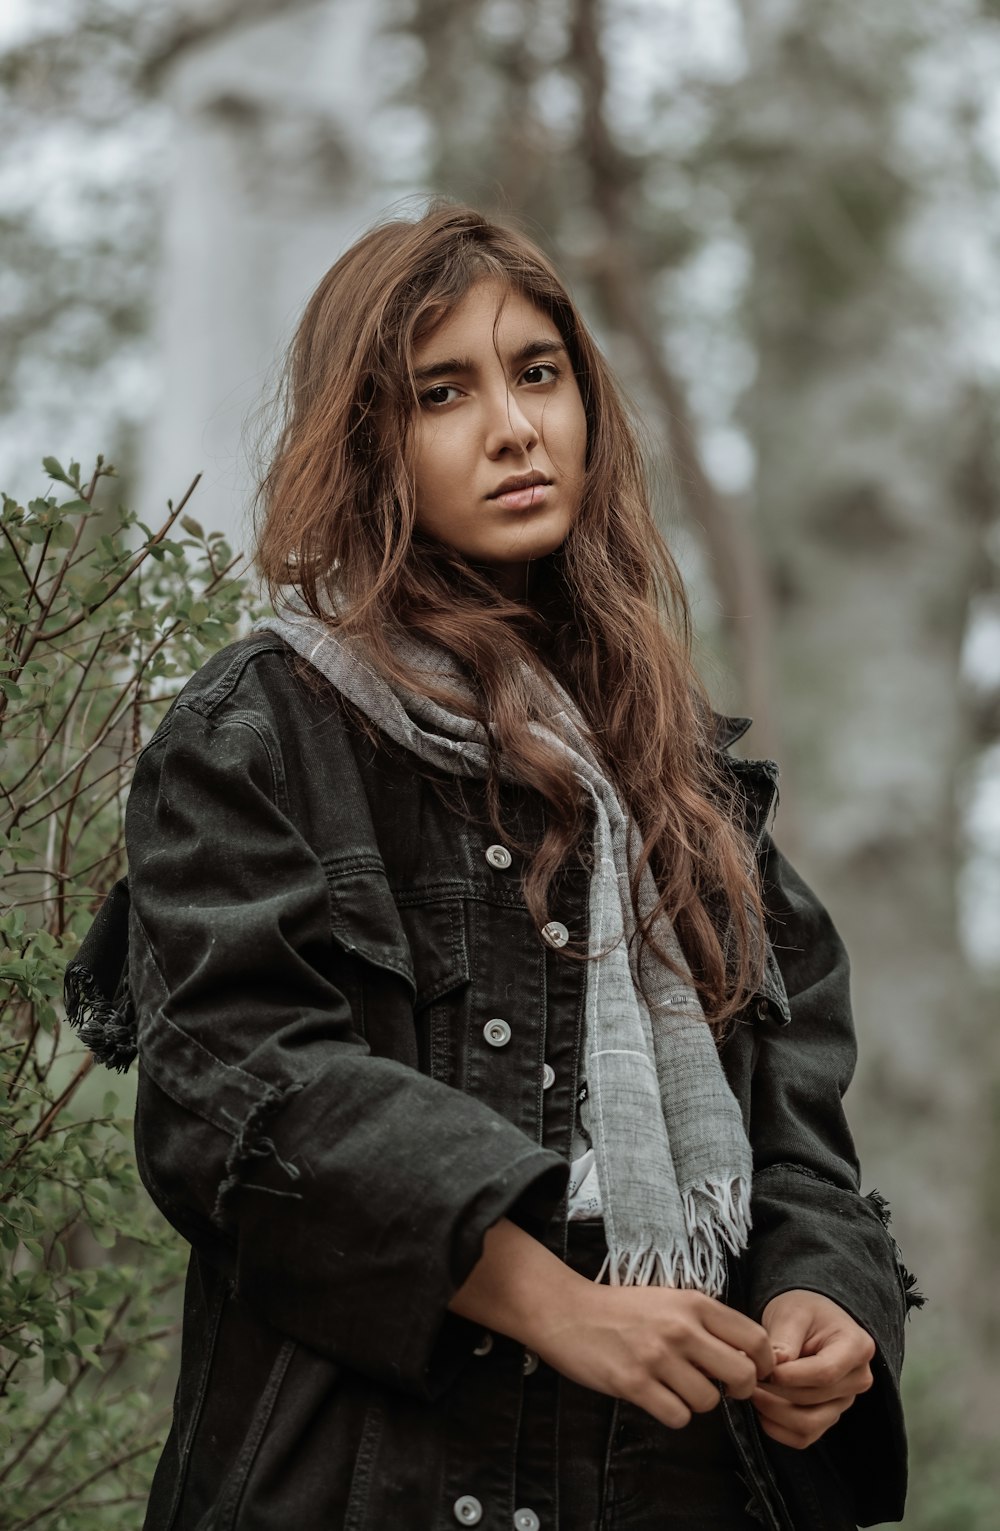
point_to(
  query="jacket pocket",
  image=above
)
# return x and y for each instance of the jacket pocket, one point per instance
(364, 919)
(437, 930)
(229, 1511)
(242, 1379)
(421, 938)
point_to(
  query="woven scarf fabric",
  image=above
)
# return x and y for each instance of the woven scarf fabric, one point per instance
(673, 1160)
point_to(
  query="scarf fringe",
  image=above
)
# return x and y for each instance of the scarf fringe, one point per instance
(107, 1028)
(717, 1218)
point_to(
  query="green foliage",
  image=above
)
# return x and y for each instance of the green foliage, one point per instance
(99, 629)
(954, 1481)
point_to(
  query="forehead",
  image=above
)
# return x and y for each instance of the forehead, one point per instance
(488, 309)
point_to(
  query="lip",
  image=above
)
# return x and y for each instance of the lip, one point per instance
(522, 492)
(518, 481)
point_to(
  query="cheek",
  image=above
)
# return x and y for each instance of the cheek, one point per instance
(429, 466)
(576, 444)
(573, 434)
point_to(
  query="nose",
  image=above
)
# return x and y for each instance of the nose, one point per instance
(508, 428)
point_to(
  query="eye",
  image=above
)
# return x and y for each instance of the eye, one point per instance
(433, 395)
(541, 366)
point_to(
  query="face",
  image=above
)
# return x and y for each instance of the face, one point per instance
(500, 434)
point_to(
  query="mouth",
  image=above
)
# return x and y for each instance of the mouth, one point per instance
(521, 491)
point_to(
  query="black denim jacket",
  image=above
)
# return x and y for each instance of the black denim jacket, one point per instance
(316, 941)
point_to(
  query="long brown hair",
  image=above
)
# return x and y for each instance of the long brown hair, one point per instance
(609, 618)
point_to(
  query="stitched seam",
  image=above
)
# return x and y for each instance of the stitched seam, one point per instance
(364, 1461)
(178, 1031)
(255, 1434)
(196, 1413)
(232, 675)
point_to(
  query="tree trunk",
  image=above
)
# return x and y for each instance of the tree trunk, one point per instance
(864, 438)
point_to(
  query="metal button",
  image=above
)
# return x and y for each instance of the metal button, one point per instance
(525, 1520)
(548, 1076)
(485, 1344)
(529, 1362)
(467, 1510)
(496, 1032)
(555, 933)
(498, 856)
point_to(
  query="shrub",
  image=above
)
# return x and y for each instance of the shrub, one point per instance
(99, 629)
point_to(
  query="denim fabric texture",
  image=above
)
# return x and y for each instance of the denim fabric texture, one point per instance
(619, 1468)
(317, 944)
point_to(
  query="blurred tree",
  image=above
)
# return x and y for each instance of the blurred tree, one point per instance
(78, 204)
(874, 481)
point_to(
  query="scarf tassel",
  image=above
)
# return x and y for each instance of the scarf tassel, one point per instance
(717, 1218)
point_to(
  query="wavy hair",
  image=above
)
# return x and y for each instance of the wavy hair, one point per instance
(609, 615)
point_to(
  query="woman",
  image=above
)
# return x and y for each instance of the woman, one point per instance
(490, 1054)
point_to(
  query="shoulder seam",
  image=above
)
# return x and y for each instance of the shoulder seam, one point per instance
(256, 647)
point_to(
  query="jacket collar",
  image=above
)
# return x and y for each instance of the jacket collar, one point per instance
(727, 730)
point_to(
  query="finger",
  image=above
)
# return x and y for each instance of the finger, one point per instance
(740, 1332)
(663, 1404)
(825, 1370)
(700, 1393)
(787, 1326)
(858, 1381)
(721, 1363)
(796, 1426)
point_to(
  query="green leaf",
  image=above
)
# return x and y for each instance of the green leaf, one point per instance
(55, 470)
(192, 526)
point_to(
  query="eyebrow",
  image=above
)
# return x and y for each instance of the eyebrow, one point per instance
(465, 364)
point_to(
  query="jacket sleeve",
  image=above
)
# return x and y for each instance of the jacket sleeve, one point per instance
(346, 1194)
(812, 1228)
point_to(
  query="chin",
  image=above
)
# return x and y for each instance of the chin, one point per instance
(529, 548)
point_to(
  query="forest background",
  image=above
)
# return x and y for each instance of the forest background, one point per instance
(782, 219)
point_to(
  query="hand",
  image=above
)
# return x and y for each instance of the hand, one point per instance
(670, 1352)
(823, 1364)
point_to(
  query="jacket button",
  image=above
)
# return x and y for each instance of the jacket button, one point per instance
(485, 1344)
(555, 933)
(498, 856)
(496, 1032)
(525, 1520)
(529, 1364)
(467, 1510)
(548, 1076)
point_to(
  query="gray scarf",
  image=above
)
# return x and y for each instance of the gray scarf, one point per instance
(673, 1160)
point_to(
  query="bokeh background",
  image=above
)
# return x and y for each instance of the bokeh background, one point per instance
(782, 220)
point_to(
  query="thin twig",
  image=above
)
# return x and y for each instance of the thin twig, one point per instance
(20, 561)
(57, 728)
(41, 1129)
(82, 1367)
(135, 564)
(78, 1488)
